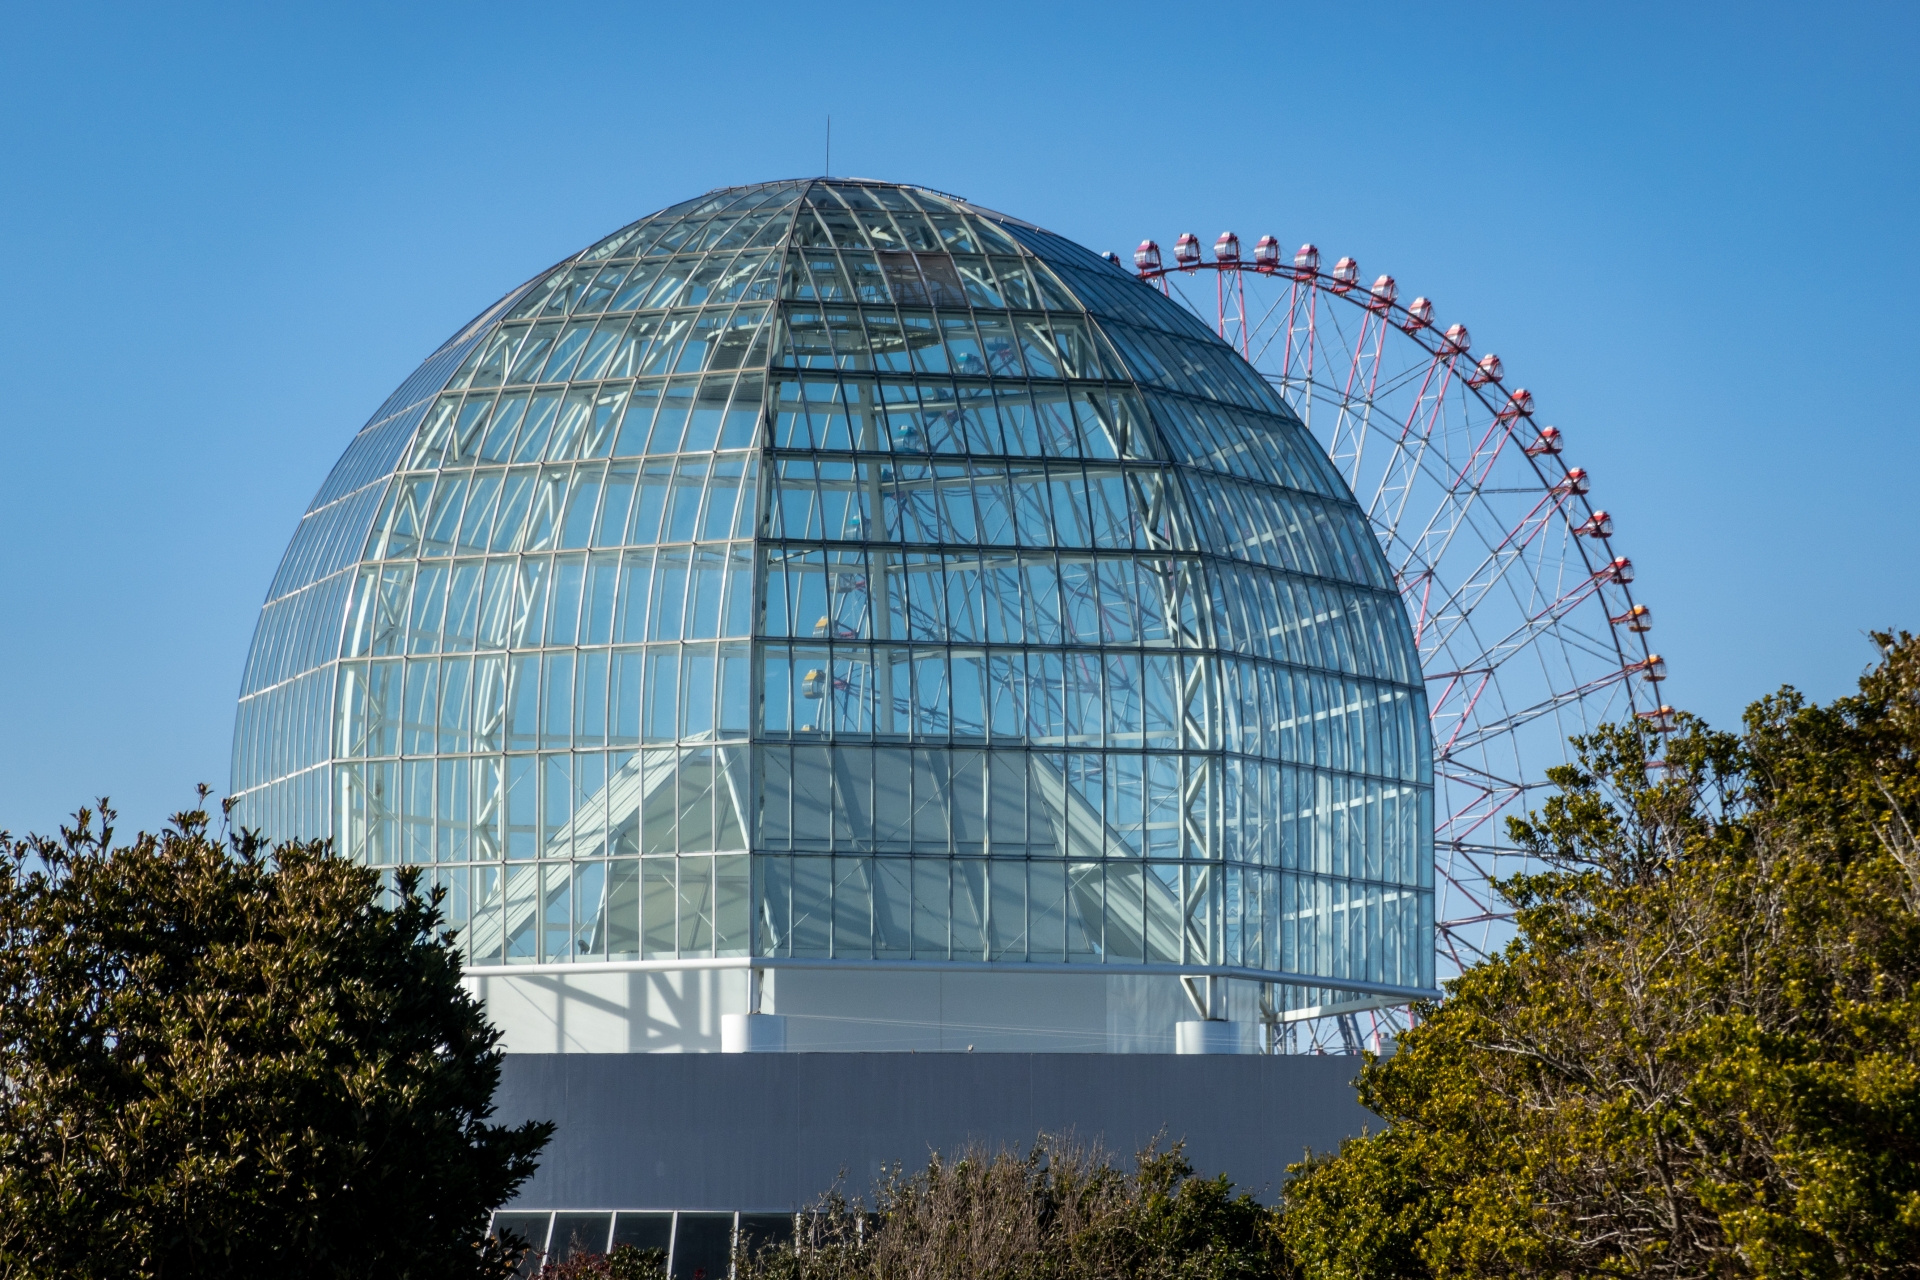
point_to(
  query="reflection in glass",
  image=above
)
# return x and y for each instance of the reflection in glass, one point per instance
(835, 569)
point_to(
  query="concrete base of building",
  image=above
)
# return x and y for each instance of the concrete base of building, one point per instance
(557, 1009)
(753, 1033)
(1216, 1035)
(770, 1132)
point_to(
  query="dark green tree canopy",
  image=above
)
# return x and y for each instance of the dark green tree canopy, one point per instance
(1701, 1056)
(230, 1061)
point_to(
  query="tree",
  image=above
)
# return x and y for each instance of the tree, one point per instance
(1060, 1213)
(1363, 1213)
(233, 1061)
(1701, 1055)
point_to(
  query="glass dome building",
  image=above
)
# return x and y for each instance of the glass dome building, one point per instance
(837, 581)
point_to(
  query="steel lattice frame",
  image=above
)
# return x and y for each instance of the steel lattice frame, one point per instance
(1523, 612)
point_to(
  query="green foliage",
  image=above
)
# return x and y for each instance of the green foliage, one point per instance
(238, 1063)
(1701, 1056)
(1362, 1213)
(1059, 1213)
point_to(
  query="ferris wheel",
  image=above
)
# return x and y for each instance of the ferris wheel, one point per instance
(1521, 602)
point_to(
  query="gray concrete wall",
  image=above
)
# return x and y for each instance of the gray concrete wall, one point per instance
(772, 1131)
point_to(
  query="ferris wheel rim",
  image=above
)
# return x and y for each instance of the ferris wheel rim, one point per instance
(1553, 580)
(1355, 295)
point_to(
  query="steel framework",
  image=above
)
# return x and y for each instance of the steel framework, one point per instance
(1523, 612)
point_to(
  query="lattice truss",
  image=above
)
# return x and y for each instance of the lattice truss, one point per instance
(840, 573)
(1524, 616)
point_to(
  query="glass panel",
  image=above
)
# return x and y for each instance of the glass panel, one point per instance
(1029, 591)
(623, 910)
(760, 1231)
(659, 914)
(589, 911)
(644, 1231)
(529, 1228)
(578, 1233)
(702, 1246)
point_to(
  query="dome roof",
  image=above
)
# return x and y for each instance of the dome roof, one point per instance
(838, 568)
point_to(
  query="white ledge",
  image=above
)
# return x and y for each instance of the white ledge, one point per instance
(707, 963)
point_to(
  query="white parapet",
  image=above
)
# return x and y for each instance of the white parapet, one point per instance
(557, 1008)
(1215, 1035)
(753, 1033)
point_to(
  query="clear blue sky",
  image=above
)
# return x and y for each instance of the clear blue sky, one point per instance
(226, 234)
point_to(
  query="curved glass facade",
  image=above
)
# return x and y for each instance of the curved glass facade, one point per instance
(838, 569)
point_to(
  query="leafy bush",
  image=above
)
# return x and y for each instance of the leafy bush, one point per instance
(236, 1062)
(1061, 1211)
(1701, 1056)
(625, 1262)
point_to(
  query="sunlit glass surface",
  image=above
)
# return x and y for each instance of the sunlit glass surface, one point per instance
(838, 569)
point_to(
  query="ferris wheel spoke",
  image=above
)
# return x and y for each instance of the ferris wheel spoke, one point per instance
(1342, 360)
(1529, 634)
(1525, 633)
(1525, 630)
(1547, 706)
(1363, 430)
(1475, 913)
(1307, 345)
(1346, 434)
(1520, 534)
(1478, 688)
(1480, 780)
(1498, 562)
(1479, 800)
(1461, 853)
(1484, 917)
(1255, 357)
(1467, 887)
(1450, 517)
(1477, 786)
(1487, 855)
(1471, 819)
(1452, 933)
(1449, 704)
(1394, 494)
(1293, 316)
(1486, 452)
(1397, 483)
(1387, 386)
